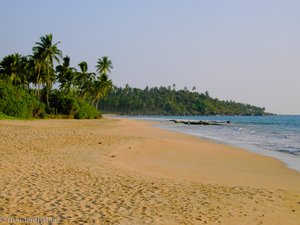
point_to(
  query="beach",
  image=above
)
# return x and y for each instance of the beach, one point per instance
(120, 171)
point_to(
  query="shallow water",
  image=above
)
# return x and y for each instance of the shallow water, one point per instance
(275, 136)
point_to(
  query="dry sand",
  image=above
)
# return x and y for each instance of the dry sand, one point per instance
(115, 171)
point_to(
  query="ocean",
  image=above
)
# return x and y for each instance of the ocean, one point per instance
(274, 136)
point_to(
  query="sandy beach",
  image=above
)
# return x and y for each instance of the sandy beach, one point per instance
(118, 171)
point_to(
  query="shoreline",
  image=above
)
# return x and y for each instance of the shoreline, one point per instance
(198, 148)
(289, 160)
(128, 172)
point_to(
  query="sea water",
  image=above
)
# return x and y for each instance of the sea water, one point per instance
(274, 136)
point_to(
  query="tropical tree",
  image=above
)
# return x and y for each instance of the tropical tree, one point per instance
(104, 65)
(26, 71)
(10, 67)
(100, 88)
(66, 76)
(37, 68)
(84, 80)
(102, 85)
(45, 52)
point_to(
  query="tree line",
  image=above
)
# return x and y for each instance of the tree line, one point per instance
(32, 86)
(169, 101)
(44, 84)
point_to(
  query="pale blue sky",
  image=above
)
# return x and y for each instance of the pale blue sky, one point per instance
(247, 51)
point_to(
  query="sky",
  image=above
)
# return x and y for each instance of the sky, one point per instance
(246, 51)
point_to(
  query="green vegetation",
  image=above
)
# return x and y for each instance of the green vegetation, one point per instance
(5, 117)
(32, 86)
(168, 101)
(17, 102)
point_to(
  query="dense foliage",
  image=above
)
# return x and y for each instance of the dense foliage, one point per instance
(32, 86)
(168, 101)
(15, 101)
(28, 84)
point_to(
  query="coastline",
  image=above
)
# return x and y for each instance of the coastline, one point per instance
(123, 171)
(291, 161)
(288, 160)
(177, 147)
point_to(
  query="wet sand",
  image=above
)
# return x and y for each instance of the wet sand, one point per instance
(114, 171)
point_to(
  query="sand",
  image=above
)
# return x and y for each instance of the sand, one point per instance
(114, 171)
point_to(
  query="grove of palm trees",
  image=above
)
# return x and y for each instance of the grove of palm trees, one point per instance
(45, 85)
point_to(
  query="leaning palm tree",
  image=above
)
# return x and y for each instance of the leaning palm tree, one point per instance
(104, 65)
(100, 88)
(45, 53)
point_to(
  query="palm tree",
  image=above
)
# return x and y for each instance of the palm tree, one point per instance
(84, 80)
(17, 69)
(26, 71)
(10, 66)
(100, 88)
(103, 85)
(45, 53)
(66, 75)
(83, 67)
(174, 86)
(104, 65)
(38, 68)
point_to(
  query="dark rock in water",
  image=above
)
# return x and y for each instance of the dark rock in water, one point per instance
(199, 122)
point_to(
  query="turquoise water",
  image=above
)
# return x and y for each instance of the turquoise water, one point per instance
(275, 136)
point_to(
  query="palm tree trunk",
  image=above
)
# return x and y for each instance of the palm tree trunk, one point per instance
(97, 104)
(36, 90)
(38, 84)
(47, 97)
(48, 88)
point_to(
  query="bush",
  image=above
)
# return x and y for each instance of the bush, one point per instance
(17, 102)
(6, 117)
(86, 111)
(71, 106)
(63, 104)
(38, 110)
